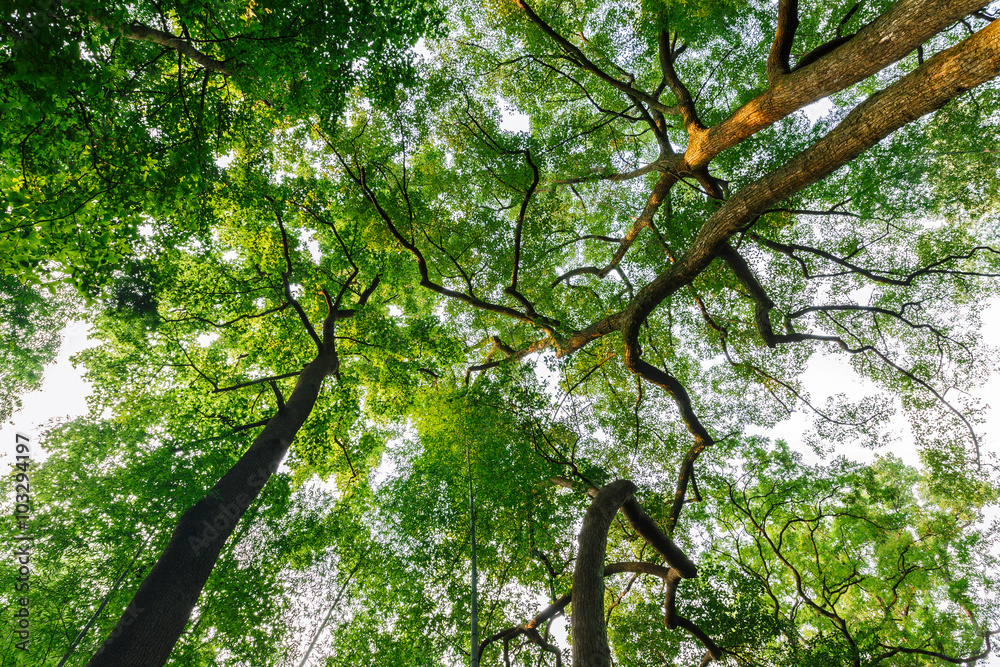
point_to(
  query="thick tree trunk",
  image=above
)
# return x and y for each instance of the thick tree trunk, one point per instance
(590, 636)
(154, 620)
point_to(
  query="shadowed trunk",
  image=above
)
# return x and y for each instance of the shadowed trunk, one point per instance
(155, 618)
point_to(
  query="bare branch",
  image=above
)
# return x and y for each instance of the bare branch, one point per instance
(583, 62)
(288, 272)
(197, 318)
(893, 650)
(277, 394)
(250, 383)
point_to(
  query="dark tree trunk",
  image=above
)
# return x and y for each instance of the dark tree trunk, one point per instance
(155, 618)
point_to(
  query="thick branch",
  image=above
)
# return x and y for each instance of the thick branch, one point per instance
(713, 649)
(702, 439)
(647, 529)
(895, 34)
(762, 303)
(512, 289)
(670, 617)
(685, 103)
(249, 383)
(139, 32)
(930, 86)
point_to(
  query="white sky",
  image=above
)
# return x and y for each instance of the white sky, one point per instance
(63, 394)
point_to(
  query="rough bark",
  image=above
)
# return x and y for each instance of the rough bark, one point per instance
(155, 618)
(784, 35)
(590, 636)
(895, 34)
(927, 88)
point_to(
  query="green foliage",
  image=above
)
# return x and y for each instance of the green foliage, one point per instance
(219, 206)
(130, 129)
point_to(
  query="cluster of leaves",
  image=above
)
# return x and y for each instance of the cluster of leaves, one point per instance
(107, 124)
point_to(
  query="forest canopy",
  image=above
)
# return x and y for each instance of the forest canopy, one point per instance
(362, 271)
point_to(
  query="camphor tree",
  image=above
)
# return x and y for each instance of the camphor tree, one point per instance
(675, 235)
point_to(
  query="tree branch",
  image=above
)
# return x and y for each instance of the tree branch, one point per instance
(905, 280)
(947, 74)
(781, 49)
(512, 288)
(668, 53)
(360, 178)
(895, 34)
(656, 197)
(139, 32)
(583, 62)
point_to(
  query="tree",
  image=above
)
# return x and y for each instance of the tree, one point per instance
(640, 233)
(106, 165)
(149, 95)
(511, 225)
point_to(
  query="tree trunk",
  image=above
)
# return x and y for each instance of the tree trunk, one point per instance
(155, 618)
(590, 636)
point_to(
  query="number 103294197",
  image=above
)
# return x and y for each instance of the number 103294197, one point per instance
(22, 488)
